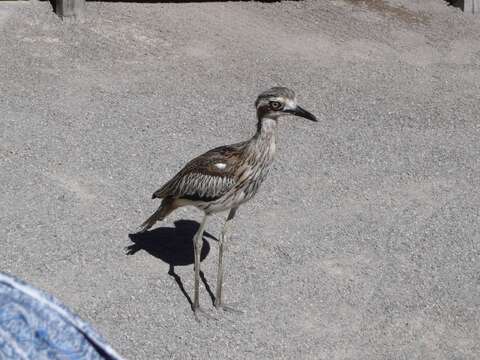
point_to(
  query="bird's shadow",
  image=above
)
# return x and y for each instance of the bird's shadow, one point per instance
(457, 3)
(174, 246)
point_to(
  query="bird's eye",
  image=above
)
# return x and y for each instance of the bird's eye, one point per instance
(275, 105)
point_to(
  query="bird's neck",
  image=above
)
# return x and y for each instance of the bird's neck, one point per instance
(266, 129)
(264, 140)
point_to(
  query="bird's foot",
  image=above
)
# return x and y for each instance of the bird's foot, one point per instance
(198, 311)
(228, 308)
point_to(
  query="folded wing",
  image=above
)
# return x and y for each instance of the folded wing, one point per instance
(205, 178)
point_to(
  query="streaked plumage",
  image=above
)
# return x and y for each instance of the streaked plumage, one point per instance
(225, 177)
(201, 179)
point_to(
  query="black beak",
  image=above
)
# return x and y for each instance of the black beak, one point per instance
(298, 111)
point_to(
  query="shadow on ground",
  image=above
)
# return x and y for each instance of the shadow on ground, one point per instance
(174, 246)
(457, 3)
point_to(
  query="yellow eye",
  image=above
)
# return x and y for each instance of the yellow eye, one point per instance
(275, 105)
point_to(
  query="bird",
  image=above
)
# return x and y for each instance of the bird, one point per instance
(226, 177)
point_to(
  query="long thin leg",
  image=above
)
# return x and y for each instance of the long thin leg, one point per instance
(197, 249)
(218, 295)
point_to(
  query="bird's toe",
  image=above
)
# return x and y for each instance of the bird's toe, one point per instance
(200, 312)
(228, 308)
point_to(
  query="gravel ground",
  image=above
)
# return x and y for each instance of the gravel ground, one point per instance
(364, 242)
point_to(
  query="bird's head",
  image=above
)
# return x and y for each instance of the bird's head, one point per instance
(279, 101)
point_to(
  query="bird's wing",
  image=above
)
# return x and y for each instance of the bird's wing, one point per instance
(207, 177)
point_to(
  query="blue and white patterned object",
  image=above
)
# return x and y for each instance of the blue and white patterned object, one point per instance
(36, 326)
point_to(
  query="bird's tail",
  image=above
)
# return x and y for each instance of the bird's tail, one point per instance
(162, 212)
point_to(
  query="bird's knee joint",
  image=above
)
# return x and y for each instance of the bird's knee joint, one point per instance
(198, 245)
